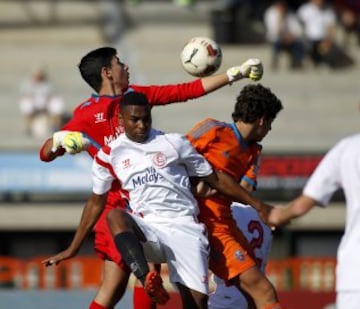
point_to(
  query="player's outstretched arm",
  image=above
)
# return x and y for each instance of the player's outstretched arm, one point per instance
(226, 185)
(251, 68)
(90, 215)
(281, 215)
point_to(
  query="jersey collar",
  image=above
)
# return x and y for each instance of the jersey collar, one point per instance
(238, 136)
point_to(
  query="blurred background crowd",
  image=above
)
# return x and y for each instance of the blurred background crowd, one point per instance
(299, 35)
(310, 51)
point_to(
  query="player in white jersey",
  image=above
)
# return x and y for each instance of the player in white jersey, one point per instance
(340, 168)
(156, 168)
(259, 236)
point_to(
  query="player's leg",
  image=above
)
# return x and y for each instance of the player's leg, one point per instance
(111, 290)
(191, 298)
(141, 300)
(128, 237)
(232, 260)
(112, 287)
(255, 283)
(187, 251)
(252, 281)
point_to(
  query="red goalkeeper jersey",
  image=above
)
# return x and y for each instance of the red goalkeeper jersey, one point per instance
(97, 119)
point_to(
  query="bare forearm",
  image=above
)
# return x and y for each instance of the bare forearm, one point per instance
(226, 185)
(213, 82)
(299, 207)
(281, 215)
(90, 215)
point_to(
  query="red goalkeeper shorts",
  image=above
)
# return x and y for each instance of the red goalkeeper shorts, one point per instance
(104, 242)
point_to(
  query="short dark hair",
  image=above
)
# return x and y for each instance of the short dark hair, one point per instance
(133, 98)
(91, 64)
(256, 101)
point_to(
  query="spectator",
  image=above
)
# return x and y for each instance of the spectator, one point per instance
(284, 32)
(348, 12)
(42, 110)
(319, 22)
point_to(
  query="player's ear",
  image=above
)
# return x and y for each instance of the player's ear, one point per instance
(261, 121)
(106, 72)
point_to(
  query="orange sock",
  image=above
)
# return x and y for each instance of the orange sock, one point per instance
(141, 299)
(95, 305)
(274, 306)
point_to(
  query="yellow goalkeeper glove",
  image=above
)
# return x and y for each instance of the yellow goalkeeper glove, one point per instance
(72, 142)
(251, 68)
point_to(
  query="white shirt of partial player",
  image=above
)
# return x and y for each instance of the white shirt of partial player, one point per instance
(155, 173)
(340, 168)
(258, 234)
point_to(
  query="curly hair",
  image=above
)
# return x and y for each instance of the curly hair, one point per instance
(256, 101)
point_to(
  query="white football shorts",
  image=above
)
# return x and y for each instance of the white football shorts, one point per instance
(181, 243)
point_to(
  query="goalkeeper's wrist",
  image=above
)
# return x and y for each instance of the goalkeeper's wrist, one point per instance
(234, 74)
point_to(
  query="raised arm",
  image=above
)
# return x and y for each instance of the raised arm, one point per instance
(251, 68)
(281, 215)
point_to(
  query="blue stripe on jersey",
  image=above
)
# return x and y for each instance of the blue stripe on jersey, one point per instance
(96, 99)
(250, 181)
(92, 141)
(85, 104)
(238, 136)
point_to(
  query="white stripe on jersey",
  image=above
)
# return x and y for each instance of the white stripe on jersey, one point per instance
(155, 173)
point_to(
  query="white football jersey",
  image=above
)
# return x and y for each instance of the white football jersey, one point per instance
(155, 173)
(260, 238)
(340, 168)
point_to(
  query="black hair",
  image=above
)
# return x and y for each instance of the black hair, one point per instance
(256, 101)
(91, 64)
(133, 98)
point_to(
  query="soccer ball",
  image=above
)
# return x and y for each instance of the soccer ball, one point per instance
(201, 56)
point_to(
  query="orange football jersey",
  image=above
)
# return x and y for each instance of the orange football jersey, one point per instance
(222, 145)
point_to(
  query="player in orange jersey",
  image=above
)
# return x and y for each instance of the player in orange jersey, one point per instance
(234, 149)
